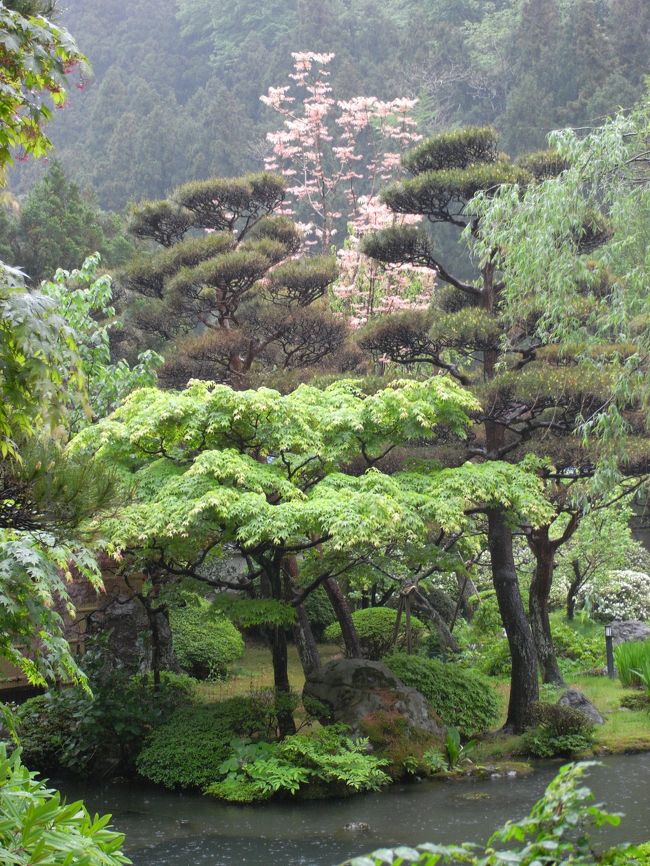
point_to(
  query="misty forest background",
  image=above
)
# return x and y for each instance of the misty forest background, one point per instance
(175, 92)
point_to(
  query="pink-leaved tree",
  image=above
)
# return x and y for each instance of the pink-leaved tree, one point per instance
(337, 153)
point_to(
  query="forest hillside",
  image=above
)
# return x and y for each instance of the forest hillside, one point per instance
(175, 87)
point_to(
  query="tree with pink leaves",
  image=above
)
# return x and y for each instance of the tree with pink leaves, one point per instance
(336, 153)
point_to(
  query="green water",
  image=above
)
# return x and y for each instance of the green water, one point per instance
(169, 829)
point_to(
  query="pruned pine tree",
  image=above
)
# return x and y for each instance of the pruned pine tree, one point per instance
(228, 293)
(532, 395)
(210, 468)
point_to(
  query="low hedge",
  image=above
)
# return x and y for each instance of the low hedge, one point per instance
(462, 698)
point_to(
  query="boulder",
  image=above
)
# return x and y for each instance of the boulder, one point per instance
(622, 632)
(355, 689)
(575, 699)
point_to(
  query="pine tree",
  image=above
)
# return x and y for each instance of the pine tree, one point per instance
(531, 395)
(221, 304)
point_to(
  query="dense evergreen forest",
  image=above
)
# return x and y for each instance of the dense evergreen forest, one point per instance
(174, 93)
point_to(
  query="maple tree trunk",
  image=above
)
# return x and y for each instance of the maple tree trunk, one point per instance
(467, 590)
(278, 641)
(524, 687)
(286, 723)
(572, 594)
(306, 642)
(342, 612)
(538, 601)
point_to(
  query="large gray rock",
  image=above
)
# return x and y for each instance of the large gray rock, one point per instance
(354, 689)
(574, 698)
(622, 632)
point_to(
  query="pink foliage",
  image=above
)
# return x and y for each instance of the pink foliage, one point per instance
(337, 154)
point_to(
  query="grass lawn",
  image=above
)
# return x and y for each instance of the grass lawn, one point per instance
(254, 671)
(623, 731)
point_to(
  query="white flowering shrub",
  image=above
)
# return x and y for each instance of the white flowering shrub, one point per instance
(622, 595)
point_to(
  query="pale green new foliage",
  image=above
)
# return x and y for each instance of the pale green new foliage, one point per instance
(83, 298)
(211, 465)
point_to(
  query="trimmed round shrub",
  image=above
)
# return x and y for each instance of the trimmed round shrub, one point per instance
(443, 603)
(624, 595)
(187, 751)
(463, 698)
(376, 627)
(205, 643)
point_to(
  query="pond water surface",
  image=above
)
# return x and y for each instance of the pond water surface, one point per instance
(172, 829)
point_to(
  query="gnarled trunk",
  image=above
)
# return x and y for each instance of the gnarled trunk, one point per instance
(342, 612)
(574, 587)
(524, 687)
(538, 603)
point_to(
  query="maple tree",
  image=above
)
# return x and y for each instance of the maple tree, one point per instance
(210, 468)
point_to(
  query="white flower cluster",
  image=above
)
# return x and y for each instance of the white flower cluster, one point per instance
(623, 595)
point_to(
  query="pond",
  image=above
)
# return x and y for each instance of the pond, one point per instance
(171, 829)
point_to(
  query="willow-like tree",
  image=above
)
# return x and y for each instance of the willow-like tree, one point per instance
(213, 468)
(533, 392)
(229, 293)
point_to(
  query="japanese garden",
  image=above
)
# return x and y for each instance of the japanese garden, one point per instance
(324, 432)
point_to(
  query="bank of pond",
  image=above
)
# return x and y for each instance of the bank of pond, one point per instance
(165, 828)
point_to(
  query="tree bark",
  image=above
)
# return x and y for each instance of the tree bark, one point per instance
(524, 687)
(538, 604)
(306, 642)
(572, 594)
(467, 590)
(278, 641)
(342, 612)
(286, 723)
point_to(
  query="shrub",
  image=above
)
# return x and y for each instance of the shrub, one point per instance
(557, 730)
(408, 751)
(376, 627)
(624, 595)
(494, 658)
(633, 662)
(319, 612)
(487, 618)
(585, 652)
(68, 728)
(205, 643)
(462, 698)
(37, 827)
(190, 747)
(257, 771)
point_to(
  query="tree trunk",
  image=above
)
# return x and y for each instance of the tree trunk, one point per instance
(342, 612)
(524, 687)
(572, 594)
(286, 723)
(278, 641)
(538, 602)
(467, 590)
(306, 642)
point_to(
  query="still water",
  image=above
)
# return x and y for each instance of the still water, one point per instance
(170, 829)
